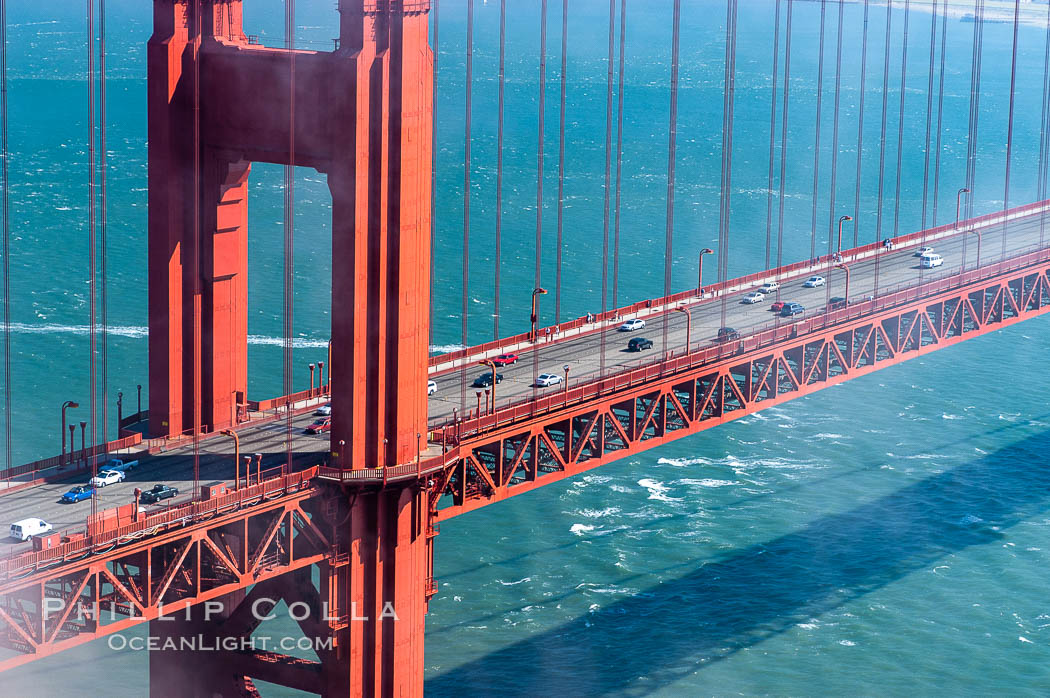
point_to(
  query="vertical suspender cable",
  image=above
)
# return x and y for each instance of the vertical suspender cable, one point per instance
(929, 116)
(784, 140)
(103, 359)
(672, 136)
(539, 145)
(772, 136)
(466, 172)
(469, 57)
(197, 26)
(499, 163)
(975, 105)
(4, 201)
(816, 138)
(900, 122)
(433, 172)
(92, 342)
(619, 157)
(882, 139)
(608, 174)
(835, 131)
(727, 154)
(1010, 122)
(561, 159)
(860, 126)
(940, 118)
(1044, 142)
(289, 222)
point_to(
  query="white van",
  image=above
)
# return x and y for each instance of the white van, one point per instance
(27, 528)
(929, 261)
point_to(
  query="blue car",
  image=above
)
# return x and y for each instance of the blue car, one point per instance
(78, 494)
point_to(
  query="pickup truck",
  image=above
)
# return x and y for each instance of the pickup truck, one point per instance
(158, 493)
(118, 465)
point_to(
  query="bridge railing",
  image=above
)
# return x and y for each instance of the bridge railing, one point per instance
(395, 473)
(78, 544)
(34, 473)
(591, 385)
(715, 290)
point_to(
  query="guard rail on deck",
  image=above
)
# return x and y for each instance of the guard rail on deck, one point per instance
(178, 515)
(592, 385)
(394, 473)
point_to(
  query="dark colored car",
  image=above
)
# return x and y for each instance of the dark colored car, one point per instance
(790, 309)
(485, 380)
(506, 360)
(319, 426)
(727, 334)
(639, 343)
(78, 493)
(777, 306)
(158, 493)
(836, 303)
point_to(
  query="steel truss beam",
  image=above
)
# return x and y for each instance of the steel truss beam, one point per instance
(518, 458)
(164, 574)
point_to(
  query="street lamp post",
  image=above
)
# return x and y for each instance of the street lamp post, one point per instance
(140, 400)
(83, 439)
(492, 366)
(67, 403)
(311, 380)
(958, 208)
(700, 272)
(236, 450)
(566, 367)
(845, 268)
(688, 326)
(120, 411)
(842, 219)
(329, 365)
(418, 469)
(320, 376)
(72, 438)
(478, 412)
(535, 293)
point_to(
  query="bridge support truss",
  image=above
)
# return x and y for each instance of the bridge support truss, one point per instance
(504, 460)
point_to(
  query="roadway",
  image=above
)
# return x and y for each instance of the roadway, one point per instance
(582, 353)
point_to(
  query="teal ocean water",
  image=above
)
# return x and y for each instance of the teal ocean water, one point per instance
(887, 536)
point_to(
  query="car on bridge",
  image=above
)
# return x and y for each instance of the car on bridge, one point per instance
(639, 343)
(790, 309)
(118, 465)
(836, 303)
(27, 528)
(632, 325)
(727, 334)
(78, 494)
(929, 261)
(753, 297)
(432, 387)
(157, 493)
(923, 251)
(506, 360)
(769, 287)
(321, 425)
(324, 411)
(814, 281)
(107, 477)
(777, 306)
(485, 380)
(546, 380)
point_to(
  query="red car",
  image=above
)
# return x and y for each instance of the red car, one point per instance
(778, 306)
(319, 426)
(505, 359)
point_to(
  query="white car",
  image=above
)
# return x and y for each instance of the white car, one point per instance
(814, 281)
(769, 287)
(923, 251)
(546, 380)
(107, 477)
(432, 387)
(631, 325)
(27, 528)
(929, 261)
(753, 297)
(324, 411)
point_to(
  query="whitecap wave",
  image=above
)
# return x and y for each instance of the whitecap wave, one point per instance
(657, 490)
(579, 528)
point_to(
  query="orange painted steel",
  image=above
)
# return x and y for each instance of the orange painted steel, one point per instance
(362, 117)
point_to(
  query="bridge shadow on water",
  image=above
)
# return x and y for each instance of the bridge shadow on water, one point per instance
(737, 600)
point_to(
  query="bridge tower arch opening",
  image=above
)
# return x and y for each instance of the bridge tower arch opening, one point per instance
(360, 114)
